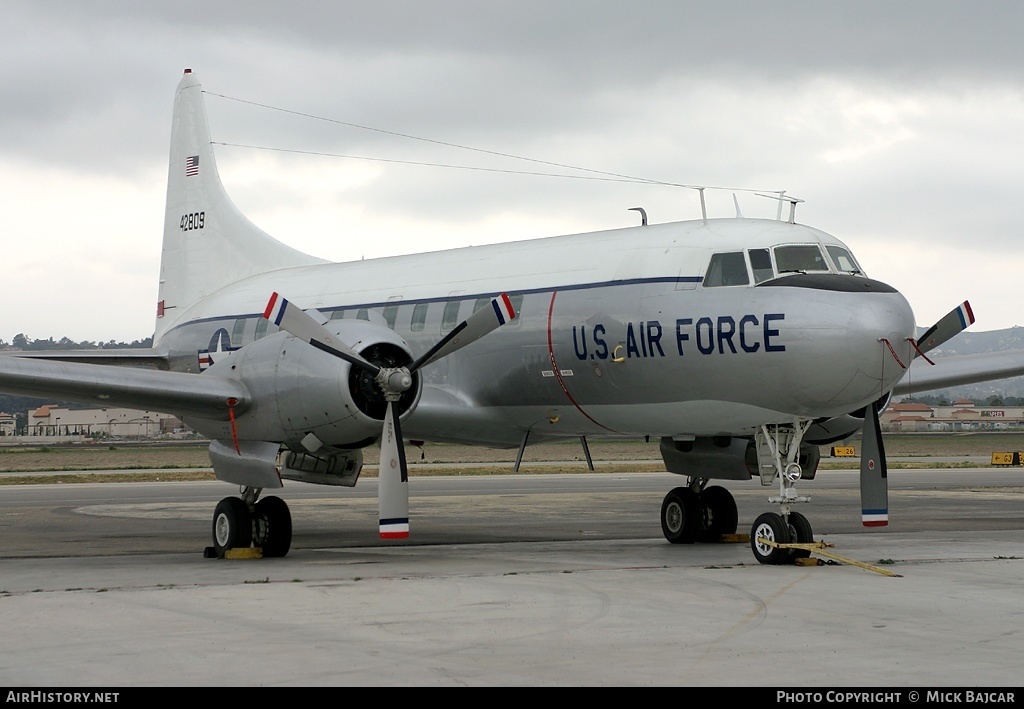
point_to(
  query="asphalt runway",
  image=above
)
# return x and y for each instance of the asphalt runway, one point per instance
(512, 580)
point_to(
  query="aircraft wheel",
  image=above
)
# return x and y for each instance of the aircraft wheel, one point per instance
(772, 527)
(801, 533)
(680, 516)
(273, 526)
(232, 525)
(719, 515)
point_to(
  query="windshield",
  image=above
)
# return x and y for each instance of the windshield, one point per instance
(734, 268)
(800, 258)
(843, 259)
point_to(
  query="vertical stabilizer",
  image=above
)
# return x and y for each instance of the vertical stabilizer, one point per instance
(208, 242)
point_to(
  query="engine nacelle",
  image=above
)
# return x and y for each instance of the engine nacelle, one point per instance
(306, 398)
(839, 428)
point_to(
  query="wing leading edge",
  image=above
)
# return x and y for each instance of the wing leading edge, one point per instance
(956, 370)
(141, 357)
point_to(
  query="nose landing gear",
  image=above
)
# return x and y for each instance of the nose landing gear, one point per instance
(779, 458)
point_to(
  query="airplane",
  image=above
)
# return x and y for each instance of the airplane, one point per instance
(739, 344)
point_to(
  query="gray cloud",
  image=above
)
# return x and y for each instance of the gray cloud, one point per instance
(887, 117)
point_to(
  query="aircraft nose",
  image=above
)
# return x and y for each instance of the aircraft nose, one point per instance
(878, 339)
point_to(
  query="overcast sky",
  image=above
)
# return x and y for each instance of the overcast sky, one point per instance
(900, 123)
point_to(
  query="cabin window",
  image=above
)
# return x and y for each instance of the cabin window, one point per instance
(843, 259)
(451, 314)
(238, 333)
(337, 314)
(761, 263)
(363, 314)
(390, 315)
(481, 303)
(261, 327)
(729, 269)
(799, 258)
(419, 317)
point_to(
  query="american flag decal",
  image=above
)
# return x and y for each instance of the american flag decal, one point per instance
(191, 166)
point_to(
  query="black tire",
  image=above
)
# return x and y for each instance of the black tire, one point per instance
(800, 532)
(680, 516)
(772, 527)
(274, 526)
(232, 525)
(718, 514)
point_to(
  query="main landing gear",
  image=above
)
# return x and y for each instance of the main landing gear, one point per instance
(698, 514)
(241, 522)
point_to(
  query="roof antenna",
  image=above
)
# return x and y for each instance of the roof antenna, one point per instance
(739, 214)
(643, 214)
(783, 197)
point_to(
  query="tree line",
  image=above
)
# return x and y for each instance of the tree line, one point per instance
(23, 343)
(18, 405)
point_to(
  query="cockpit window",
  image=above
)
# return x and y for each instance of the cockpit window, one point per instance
(761, 262)
(843, 259)
(799, 258)
(728, 269)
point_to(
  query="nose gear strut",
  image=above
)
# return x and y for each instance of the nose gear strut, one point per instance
(778, 457)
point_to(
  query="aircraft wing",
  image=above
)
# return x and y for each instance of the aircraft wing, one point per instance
(175, 393)
(140, 357)
(960, 369)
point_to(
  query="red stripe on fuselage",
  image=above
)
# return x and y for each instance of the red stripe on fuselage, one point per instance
(558, 375)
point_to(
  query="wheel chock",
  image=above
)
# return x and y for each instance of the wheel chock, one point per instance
(807, 561)
(244, 553)
(820, 549)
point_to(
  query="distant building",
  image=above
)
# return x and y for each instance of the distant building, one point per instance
(961, 415)
(53, 420)
(8, 424)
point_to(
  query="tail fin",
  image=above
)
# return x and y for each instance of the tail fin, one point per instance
(208, 242)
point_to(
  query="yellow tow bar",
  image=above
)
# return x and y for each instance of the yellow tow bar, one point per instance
(820, 549)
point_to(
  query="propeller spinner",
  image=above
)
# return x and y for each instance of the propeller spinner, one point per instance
(393, 478)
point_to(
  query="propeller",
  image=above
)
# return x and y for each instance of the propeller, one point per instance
(874, 483)
(874, 473)
(952, 323)
(393, 488)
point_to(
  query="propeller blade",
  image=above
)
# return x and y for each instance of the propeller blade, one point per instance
(393, 480)
(953, 323)
(470, 330)
(874, 483)
(304, 326)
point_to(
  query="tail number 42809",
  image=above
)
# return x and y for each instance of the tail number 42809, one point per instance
(192, 221)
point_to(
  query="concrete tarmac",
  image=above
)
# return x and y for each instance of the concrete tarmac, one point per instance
(511, 586)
